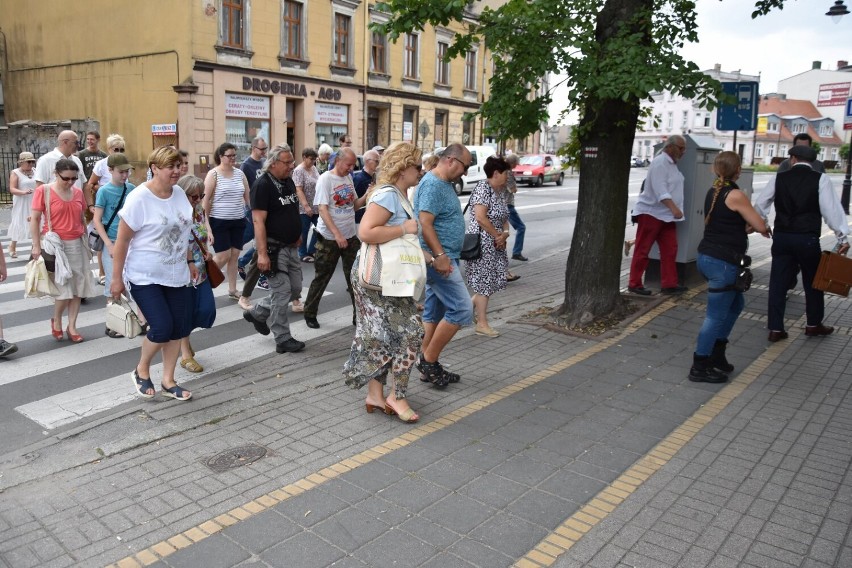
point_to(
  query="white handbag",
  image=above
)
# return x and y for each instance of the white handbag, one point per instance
(121, 318)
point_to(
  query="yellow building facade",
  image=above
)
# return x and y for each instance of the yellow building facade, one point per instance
(201, 72)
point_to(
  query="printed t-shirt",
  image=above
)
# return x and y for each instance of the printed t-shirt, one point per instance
(339, 194)
(89, 159)
(157, 253)
(278, 198)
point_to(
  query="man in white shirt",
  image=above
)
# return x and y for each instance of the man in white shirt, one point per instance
(337, 238)
(658, 209)
(803, 198)
(66, 147)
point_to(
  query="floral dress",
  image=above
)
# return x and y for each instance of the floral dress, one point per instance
(388, 336)
(487, 274)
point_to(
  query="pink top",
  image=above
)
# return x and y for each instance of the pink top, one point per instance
(66, 217)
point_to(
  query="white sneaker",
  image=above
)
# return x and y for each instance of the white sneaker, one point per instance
(245, 303)
(298, 307)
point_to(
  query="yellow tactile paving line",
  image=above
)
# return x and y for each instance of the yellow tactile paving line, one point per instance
(171, 545)
(572, 530)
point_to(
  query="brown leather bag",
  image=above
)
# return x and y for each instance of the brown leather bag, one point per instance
(214, 273)
(834, 274)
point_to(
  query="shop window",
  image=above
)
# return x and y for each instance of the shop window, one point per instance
(378, 54)
(293, 32)
(442, 66)
(470, 70)
(411, 66)
(246, 116)
(332, 122)
(409, 125)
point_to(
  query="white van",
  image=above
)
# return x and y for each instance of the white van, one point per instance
(475, 173)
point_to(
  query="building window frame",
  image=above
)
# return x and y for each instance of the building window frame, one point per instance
(293, 53)
(770, 151)
(471, 59)
(442, 66)
(378, 53)
(342, 55)
(758, 150)
(229, 11)
(411, 57)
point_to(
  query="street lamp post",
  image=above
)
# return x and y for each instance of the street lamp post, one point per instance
(847, 181)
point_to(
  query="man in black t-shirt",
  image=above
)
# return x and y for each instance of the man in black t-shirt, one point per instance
(277, 233)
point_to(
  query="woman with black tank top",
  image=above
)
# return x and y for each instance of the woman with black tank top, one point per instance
(728, 218)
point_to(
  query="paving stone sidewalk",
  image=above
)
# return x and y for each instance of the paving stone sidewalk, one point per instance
(541, 424)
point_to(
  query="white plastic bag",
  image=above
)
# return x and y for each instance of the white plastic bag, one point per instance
(37, 283)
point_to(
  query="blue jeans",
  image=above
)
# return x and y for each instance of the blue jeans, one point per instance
(246, 258)
(520, 229)
(723, 308)
(447, 298)
(308, 249)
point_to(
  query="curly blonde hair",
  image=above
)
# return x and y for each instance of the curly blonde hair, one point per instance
(396, 159)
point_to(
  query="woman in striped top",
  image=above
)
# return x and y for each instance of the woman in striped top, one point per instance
(226, 198)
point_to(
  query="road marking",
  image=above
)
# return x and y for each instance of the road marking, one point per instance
(73, 405)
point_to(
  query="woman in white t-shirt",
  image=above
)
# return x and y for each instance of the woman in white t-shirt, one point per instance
(226, 197)
(151, 254)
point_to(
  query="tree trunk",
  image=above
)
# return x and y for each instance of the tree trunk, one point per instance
(607, 129)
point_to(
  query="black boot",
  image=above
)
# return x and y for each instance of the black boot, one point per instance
(717, 357)
(702, 371)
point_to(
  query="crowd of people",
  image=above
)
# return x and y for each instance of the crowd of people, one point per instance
(159, 236)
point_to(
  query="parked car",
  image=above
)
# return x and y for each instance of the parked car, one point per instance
(637, 162)
(475, 173)
(538, 169)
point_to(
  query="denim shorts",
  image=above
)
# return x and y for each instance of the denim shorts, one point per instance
(227, 233)
(167, 310)
(447, 298)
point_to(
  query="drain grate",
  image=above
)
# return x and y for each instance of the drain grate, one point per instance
(236, 457)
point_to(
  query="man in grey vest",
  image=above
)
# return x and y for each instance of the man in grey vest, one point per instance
(803, 198)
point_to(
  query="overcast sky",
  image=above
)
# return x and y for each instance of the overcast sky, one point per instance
(776, 46)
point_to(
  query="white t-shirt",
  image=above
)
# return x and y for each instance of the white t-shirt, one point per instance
(157, 253)
(45, 169)
(101, 169)
(339, 194)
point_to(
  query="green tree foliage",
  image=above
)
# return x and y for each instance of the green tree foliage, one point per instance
(844, 151)
(613, 54)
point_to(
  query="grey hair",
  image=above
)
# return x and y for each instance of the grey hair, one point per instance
(190, 183)
(673, 140)
(512, 160)
(274, 155)
(256, 140)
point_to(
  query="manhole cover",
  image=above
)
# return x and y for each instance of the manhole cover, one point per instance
(236, 457)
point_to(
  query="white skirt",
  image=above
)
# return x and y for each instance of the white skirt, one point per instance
(82, 281)
(19, 227)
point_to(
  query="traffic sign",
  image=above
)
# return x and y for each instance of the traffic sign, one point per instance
(847, 117)
(741, 115)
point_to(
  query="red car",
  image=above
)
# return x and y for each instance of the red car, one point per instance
(537, 169)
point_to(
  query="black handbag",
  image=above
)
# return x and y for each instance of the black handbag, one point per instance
(472, 246)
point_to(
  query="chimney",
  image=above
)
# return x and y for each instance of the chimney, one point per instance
(841, 64)
(717, 67)
(816, 65)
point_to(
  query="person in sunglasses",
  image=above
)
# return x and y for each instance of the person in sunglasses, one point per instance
(64, 231)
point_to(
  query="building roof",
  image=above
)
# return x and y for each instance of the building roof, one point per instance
(788, 109)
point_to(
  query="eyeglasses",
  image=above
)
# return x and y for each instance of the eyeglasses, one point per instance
(63, 178)
(465, 166)
(261, 149)
(286, 162)
(118, 150)
(229, 156)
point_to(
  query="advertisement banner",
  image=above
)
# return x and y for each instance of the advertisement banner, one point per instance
(246, 106)
(325, 113)
(833, 94)
(407, 131)
(762, 121)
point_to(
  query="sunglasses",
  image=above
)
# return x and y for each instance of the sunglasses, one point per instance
(63, 178)
(118, 150)
(197, 196)
(261, 149)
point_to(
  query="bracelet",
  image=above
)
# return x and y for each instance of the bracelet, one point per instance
(434, 256)
(189, 261)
